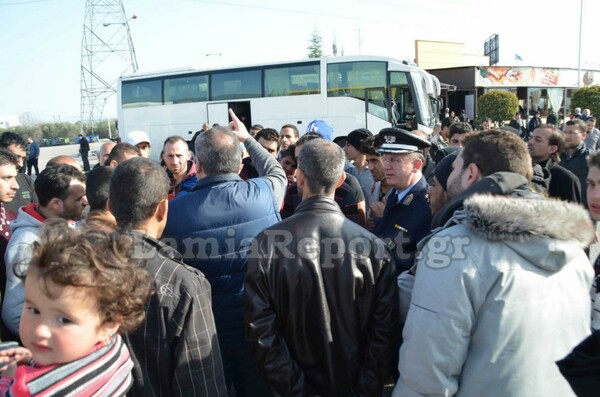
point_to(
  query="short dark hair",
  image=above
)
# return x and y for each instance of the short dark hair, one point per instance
(459, 128)
(218, 151)
(120, 150)
(309, 136)
(293, 128)
(556, 138)
(290, 152)
(591, 118)
(495, 151)
(578, 123)
(137, 187)
(7, 157)
(447, 122)
(371, 145)
(98, 186)
(175, 138)
(97, 261)
(11, 138)
(268, 134)
(322, 163)
(54, 182)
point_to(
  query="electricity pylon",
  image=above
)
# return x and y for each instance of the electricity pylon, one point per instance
(107, 52)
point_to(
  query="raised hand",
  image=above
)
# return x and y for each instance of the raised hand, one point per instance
(238, 127)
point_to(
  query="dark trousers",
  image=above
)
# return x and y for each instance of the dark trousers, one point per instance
(84, 158)
(33, 163)
(241, 375)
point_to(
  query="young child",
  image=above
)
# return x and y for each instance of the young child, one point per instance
(81, 289)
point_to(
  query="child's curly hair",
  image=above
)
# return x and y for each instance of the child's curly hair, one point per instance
(99, 261)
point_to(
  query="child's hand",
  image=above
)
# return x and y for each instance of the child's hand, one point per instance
(9, 359)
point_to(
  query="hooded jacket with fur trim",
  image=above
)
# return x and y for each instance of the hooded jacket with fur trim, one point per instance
(501, 293)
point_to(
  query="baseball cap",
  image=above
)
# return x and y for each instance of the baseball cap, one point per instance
(320, 127)
(135, 137)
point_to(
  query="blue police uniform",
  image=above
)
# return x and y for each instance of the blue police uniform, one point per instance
(406, 219)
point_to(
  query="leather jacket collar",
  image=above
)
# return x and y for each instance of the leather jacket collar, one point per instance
(318, 203)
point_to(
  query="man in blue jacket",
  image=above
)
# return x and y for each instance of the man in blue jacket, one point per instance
(214, 227)
(33, 154)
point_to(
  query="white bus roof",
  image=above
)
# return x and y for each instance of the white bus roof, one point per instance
(340, 59)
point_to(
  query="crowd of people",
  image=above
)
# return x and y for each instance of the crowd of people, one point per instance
(260, 262)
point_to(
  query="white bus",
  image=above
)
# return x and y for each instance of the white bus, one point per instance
(348, 92)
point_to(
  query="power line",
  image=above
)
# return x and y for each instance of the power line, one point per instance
(296, 11)
(22, 2)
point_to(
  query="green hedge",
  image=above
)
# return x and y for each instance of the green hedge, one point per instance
(497, 105)
(587, 98)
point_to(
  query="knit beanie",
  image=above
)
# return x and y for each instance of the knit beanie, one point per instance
(444, 168)
(357, 136)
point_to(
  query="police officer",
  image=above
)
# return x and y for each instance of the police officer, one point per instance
(407, 215)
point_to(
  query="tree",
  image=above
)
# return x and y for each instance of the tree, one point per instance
(315, 48)
(63, 132)
(587, 98)
(334, 46)
(497, 105)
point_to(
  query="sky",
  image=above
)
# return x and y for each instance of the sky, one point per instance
(40, 40)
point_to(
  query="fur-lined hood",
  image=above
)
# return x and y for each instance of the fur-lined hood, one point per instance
(541, 230)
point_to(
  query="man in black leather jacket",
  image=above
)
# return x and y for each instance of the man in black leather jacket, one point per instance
(320, 294)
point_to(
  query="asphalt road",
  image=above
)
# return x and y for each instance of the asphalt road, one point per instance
(46, 153)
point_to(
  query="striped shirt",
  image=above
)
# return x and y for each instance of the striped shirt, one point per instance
(106, 371)
(175, 350)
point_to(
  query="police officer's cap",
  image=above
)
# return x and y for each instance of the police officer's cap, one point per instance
(398, 141)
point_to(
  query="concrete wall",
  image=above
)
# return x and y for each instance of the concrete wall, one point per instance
(443, 54)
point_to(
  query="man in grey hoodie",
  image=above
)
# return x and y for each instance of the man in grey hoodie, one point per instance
(61, 192)
(501, 289)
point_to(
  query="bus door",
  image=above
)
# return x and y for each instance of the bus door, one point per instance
(217, 113)
(402, 107)
(376, 104)
(242, 111)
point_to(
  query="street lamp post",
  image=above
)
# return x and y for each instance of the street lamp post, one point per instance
(579, 52)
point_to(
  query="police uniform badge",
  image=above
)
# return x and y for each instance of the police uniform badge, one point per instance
(398, 141)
